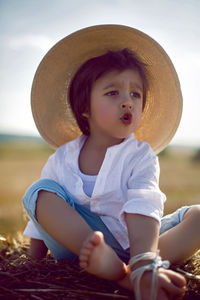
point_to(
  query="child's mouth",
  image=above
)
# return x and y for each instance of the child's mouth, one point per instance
(126, 118)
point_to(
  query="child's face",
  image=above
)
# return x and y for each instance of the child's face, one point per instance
(116, 104)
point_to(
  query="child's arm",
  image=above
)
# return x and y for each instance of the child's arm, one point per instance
(143, 235)
(38, 249)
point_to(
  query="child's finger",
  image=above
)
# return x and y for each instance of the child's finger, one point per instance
(161, 295)
(171, 289)
(177, 279)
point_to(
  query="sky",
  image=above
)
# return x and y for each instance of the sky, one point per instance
(29, 28)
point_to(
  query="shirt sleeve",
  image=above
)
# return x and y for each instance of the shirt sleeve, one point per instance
(50, 170)
(31, 231)
(143, 193)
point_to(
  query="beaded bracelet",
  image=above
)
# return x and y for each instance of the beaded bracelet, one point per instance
(154, 266)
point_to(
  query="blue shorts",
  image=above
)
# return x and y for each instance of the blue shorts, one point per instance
(92, 219)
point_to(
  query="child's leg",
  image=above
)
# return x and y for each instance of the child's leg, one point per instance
(181, 241)
(61, 224)
(61, 221)
(68, 228)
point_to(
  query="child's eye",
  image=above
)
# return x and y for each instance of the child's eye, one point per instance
(112, 93)
(135, 94)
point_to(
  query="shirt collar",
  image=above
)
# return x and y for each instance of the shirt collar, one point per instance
(127, 140)
(73, 149)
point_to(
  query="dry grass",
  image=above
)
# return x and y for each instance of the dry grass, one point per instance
(24, 278)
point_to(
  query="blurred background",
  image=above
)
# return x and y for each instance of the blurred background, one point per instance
(29, 28)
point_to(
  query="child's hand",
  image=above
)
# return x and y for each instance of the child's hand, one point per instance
(171, 285)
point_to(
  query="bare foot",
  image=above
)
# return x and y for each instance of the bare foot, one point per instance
(97, 258)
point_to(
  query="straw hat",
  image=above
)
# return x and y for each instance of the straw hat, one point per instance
(50, 107)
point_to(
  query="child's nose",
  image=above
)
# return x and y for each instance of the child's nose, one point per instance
(126, 105)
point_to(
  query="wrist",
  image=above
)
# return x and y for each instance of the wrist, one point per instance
(142, 259)
(147, 258)
(140, 264)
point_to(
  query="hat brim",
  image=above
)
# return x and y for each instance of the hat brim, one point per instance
(50, 108)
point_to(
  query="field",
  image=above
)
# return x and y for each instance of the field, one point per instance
(21, 164)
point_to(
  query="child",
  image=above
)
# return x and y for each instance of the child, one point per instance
(98, 198)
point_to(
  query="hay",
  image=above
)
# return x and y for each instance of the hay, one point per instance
(22, 277)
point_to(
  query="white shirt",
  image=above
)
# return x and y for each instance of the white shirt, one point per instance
(88, 183)
(127, 182)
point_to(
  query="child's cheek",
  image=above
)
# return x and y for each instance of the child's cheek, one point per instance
(107, 112)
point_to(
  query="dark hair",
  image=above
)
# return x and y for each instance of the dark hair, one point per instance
(93, 69)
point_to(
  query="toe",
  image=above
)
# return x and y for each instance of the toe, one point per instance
(83, 264)
(97, 238)
(85, 252)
